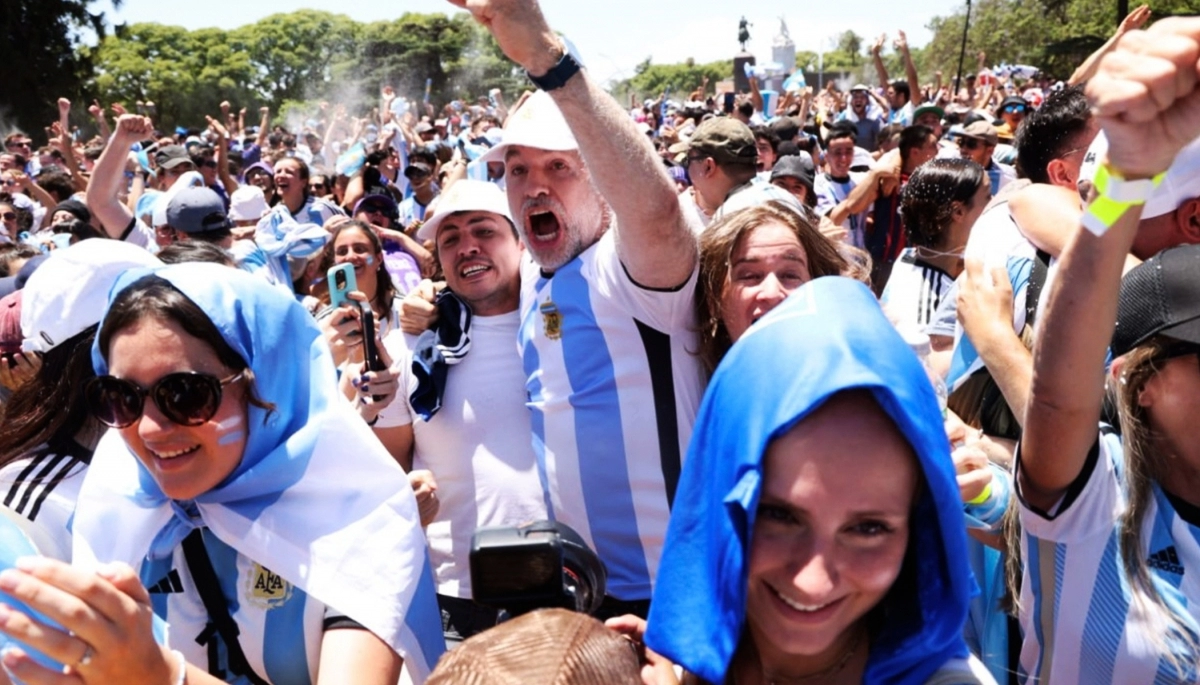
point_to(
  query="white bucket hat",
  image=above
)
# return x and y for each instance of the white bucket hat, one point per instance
(538, 124)
(465, 196)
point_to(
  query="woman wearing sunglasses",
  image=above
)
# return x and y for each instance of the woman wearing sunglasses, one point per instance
(817, 534)
(275, 534)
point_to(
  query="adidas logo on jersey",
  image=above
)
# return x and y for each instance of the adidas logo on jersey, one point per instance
(168, 584)
(1166, 560)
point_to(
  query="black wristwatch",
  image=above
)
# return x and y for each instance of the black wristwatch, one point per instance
(558, 76)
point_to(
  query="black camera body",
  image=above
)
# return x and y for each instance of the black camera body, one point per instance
(540, 565)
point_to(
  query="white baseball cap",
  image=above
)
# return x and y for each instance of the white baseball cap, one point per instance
(1181, 183)
(538, 123)
(247, 204)
(69, 292)
(465, 196)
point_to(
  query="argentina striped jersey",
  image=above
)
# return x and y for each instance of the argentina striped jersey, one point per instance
(614, 388)
(1080, 622)
(280, 626)
(42, 488)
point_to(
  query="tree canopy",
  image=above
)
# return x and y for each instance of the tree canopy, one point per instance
(293, 61)
(40, 59)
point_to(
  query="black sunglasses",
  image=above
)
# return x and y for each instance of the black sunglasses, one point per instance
(188, 399)
(8, 216)
(1180, 349)
(968, 143)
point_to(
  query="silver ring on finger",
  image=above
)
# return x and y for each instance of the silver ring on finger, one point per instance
(88, 653)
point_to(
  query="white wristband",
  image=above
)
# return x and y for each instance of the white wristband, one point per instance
(182, 667)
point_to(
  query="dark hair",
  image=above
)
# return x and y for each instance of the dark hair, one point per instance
(301, 170)
(426, 154)
(195, 251)
(80, 230)
(385, 289)
(901, 87)
(913, 137)
(24, 216)
(746, 108)
(717, 245)
(768, 134)
(887, 133)
(57, 183)
(51, 404)
(927, 201)
(153, 297)
(841, 130)
(10, 252)
(1051, 132)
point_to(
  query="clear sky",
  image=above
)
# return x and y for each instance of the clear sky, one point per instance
(613, 35)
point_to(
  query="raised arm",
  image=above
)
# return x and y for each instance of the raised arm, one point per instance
(105, 185)
(910, 69)
(654, 241)
(262, 126)
(877, 60)
(1145, 98)
(1134, 20)
(222, 150)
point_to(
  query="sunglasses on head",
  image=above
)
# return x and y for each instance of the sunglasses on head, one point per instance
(188, 399)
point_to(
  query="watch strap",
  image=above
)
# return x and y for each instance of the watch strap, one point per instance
(559, 74)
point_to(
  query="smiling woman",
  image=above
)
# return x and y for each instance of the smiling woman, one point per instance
(749, 262)
(816, 534)
(222, 487)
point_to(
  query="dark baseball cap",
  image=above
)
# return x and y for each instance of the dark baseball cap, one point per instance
(1160, 296)
(171, 156)
(197, 210)
(379, 201)
(794, 166)
(726, 140)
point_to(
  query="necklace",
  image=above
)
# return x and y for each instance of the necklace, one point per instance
(836, 667)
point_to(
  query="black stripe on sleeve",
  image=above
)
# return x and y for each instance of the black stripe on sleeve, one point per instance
(662, 383)
(39, 479)
(20, 481)
(49, 487)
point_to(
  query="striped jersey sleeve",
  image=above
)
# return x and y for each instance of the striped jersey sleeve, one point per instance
(1081, 622)
(42, 488)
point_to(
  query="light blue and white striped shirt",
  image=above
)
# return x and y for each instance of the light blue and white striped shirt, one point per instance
(614, 388)
(1080, 621)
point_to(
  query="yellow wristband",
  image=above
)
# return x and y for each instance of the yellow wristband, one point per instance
(983, 496)
(1115, 195)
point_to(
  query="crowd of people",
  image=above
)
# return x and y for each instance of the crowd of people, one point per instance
(894, 385)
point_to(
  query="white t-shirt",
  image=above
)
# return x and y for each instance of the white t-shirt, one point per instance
(477, 445)
(1079, 621)
(614, 387)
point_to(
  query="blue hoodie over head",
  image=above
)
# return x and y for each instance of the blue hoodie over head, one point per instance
(827, 337)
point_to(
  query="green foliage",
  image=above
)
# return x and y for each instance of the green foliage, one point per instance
(297, 61)
(651, 80)
(39, 60)
(1054, 35)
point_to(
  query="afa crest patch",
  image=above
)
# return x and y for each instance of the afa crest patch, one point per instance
(551, 320)
(267, 589)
